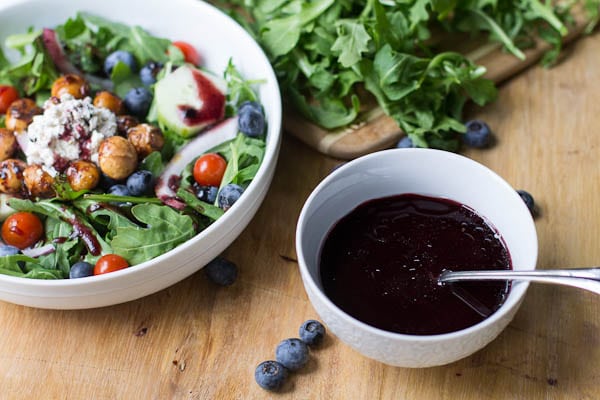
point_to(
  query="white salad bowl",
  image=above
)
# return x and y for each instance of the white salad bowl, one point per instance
(218, 39)
(427, 172)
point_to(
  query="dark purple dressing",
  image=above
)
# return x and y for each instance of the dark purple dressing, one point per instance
(380, 264)
(213, 108)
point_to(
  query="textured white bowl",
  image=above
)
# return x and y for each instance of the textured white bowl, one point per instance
(217, 38)
(421, 171)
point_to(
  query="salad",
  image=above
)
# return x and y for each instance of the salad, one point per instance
(115, 147)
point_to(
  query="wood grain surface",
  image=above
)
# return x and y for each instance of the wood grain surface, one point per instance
(198, 341)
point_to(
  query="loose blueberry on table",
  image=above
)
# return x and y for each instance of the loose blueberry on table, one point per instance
(312, 332)
(478, 134)
(292, 353)
(405, 143)
(528, 199)
(221, 271)
(270, 375)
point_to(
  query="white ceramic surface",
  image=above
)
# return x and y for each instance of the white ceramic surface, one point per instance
(421, 171)
(217, 38)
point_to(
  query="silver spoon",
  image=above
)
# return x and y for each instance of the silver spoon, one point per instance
(583, 278)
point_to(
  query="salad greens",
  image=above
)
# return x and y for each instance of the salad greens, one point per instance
(333, 56)
(86, 224)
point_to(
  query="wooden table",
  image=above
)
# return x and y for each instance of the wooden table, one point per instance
(199, 341)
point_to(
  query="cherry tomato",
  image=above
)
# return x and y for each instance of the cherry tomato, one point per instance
(209, 169)
(110, 263)
(8, 94)
(22, 229)
(189, 52)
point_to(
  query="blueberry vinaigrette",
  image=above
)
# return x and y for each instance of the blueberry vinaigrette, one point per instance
(380, 264)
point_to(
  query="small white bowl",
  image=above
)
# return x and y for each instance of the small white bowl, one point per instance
(218, 39)
(427, 172)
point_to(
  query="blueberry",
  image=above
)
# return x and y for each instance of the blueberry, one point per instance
(119, 190)
(251, 105)
(149, 71)
(107, 182)
(138, 101)
(8, 250)
(221, 271)
(270, 375)
(312, 332)
(81, 269)
(228, 195)
(251, 121)
(140, 183)
(119, 56)
(528, 199)
(478, 134)
(207, 194)
(292, 353)
(405, 143)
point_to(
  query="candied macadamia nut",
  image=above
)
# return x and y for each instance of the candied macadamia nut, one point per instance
(109, 101)
(11, 176)
(71, 84)
(82, 175)
(146, 139)
(8, 144)
(117, 157)
(20, 113)
(126, 122)
(39, 183)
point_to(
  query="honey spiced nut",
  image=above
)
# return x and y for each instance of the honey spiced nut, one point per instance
(109, 101)
(38, 182)
(20, 113)
(145, 138)
(8, 143)
(125, 122)
(11, 175)
(117, 157)
(71, 84)
(82, 175)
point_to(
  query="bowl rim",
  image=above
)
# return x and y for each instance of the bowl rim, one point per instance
(273, 139)
(516, 294)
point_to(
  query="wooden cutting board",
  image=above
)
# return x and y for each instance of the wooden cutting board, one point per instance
(376, 131)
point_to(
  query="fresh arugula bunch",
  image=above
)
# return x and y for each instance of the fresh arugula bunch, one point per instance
(333, 57)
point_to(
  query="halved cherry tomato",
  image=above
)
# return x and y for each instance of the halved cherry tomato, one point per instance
(209, 169)
(189, 53)
(110, 263)
(8, 94)
(22, 229)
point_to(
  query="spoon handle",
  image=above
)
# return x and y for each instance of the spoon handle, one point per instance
(583, 278)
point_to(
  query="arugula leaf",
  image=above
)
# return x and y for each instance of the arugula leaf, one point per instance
(35, 71)
(166, 229)
(57, 210)
(351, 43)
(153, 162)
(325, 53)
(144, 46)
(281, 35)
(244, 155)
(202, 208)
(239, 89)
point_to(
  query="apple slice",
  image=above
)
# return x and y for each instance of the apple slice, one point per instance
(188, 100)
(168, 182)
